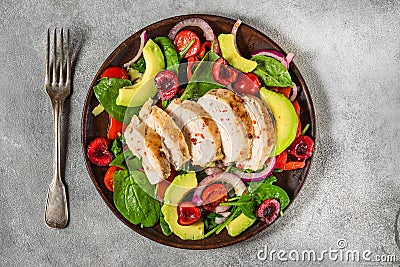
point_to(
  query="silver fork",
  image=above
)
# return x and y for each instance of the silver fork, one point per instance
(56, 215)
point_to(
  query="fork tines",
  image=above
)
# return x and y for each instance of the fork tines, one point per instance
(52, 71)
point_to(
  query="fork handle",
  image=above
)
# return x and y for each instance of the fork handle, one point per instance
(56, 215)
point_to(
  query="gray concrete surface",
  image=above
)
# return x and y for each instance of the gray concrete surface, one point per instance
(347, 51)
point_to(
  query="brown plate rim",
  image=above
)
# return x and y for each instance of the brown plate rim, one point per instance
(193, 244)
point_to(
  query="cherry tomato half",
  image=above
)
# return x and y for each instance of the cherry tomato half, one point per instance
(114, 128)
(109, 177)
(206, 46)
(223, 74)
(247, 83)
(183, 38)
(213, 195)
(115, 72)
(188, 213)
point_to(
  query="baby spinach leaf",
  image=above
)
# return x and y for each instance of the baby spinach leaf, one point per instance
(209, 221)
(107, 91)
(136, 204)
(202, 80)
(117, 144)
(272, 72)
(169, 52)
(267, 190)
(164, 226)
(139, 65)
(248, 208)
(119, 161)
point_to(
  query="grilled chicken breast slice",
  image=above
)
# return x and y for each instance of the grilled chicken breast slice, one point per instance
(146, 144)
(233, 121)
(200, 131)
(173, 140)
(264, 133)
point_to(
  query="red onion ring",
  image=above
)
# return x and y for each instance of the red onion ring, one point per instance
(257, 176)
(224, 214)
(289, 58)
(295, 89)
(219, 220)
(196, 22)
(234, 32)
(143, 40)
(275, 54)
(221, 209)
(210, 171)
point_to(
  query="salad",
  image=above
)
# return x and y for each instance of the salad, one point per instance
(197, 133)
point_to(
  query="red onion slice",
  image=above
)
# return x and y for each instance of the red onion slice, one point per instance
(289, 58)
(221, 209)
(196, 22)
(213, 170)
(295, 89)
(224, 214)
(143, 40)
(219, 220)
(274, 54)
(234, 32)
(257, 176)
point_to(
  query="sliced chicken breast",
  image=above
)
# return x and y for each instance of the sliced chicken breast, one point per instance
(264, 133)
(173, 140)
(233, 121)
(146, 144)
(200, 131)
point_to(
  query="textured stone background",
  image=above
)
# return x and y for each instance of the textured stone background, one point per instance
(348, 53)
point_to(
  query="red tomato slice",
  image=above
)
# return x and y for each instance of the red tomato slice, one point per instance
(115, 72)
(114, 128)
(213, 195)
(183, 38)
(206, 46)
(109, 177)
(188, 213)
(247, 83)
(294, 165)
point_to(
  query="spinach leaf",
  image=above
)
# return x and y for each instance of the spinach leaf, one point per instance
(107, 91)
(119, 161)
(272, 72)
(170, 55)
(133, 163)
(164, 226)
(136, 204)
(139, 65)
(127, 161)
(116, 147)
(202, 80)
(257, 193)
(209, 221)
(267, 190)
(248, 209)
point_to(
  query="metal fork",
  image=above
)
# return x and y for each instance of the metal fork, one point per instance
(56, 215)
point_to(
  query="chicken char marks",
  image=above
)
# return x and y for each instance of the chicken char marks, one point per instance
(200, 131)
(233, 121)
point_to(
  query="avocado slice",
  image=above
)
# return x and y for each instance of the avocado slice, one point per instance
(239, 224)
(285, 116)
(136, 95)
(179, 187)
(229, 52)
